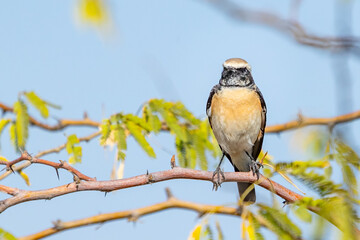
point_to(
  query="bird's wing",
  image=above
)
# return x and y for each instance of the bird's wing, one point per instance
(214, 90)
(259, 141)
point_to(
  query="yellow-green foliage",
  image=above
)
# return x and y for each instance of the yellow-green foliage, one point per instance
(4, 235)
(74, 151)
(19, 135)
(334, 197)
(193, 137)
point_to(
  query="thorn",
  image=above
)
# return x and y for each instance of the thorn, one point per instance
(240, 209)
(201, 214)
(133, 217)
(57, 173)
(61, 163)
(58, 225)
(27, 155)
(285, 202)
(147, 172)
(105, 194)
(300, 118)
(10, 167)
(150, 178)
(85, 115)
(100, 225)
(169, 194)
(331, 126)
(77, 181)
(172, 162)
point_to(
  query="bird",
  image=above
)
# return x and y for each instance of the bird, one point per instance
(236, 111)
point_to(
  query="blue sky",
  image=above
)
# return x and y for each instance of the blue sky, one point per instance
(158, 49)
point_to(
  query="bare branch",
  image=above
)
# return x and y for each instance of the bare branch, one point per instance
(304, 121)
(290, 27)
(133, 215)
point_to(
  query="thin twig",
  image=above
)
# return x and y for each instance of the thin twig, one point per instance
(305, 121)
(290, 27)
(24, 165)
(63, 165)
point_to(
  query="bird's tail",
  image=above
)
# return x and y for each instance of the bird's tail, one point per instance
(242, 186)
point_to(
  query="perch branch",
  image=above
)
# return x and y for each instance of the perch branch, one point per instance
(175, 173)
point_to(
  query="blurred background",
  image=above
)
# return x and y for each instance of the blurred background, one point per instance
(103, 57)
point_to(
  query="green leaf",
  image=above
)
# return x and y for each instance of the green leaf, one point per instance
(4, 235)
(152, 119)
(317, 182)
(25, 177)
(191, 157)
(253, 228)
(174, 125)
(220, 235)
(278, 222)
(105, 131)
(22, 123)
(74, 151)
(179, 109)
(137, 133)
(13, 136)
(347, 153)
(119, 136)
(3, 123)
(181, 151)
(300, 170)
(137, 120)
(303, 213)
(38, 103)
(120, 155)
(346, 157)
(199, 147)
(207, 233)
(195, 234)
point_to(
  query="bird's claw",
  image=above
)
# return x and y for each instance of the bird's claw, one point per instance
(254, 167)
(220, 178)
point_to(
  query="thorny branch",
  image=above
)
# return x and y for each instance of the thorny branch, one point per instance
(133, 215)
(20, 167)
(63, 165)
(288, 26)
(20, 196)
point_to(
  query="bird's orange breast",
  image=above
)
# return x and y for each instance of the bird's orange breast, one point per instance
(236, 107)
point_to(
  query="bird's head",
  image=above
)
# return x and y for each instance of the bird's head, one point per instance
(236, 73)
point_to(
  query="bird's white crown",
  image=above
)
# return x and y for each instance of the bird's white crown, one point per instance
(236, 63)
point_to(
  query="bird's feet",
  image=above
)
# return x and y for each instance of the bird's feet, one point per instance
(218, 178)
(255, 166)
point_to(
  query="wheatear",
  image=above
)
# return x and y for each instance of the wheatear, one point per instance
(237, 116)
